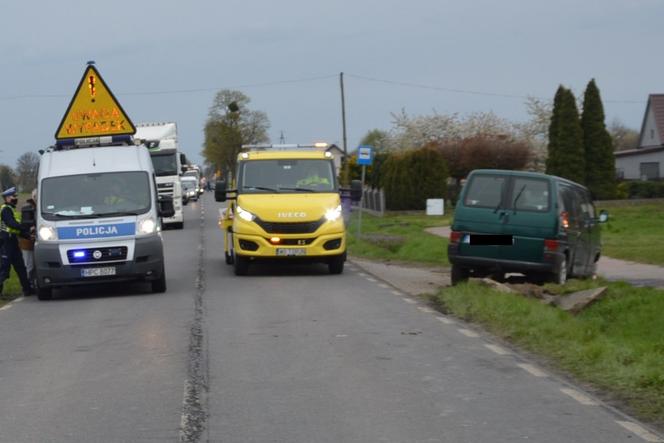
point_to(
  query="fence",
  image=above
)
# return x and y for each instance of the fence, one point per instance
(373, 201)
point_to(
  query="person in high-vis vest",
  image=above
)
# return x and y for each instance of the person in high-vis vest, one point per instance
(10, 230)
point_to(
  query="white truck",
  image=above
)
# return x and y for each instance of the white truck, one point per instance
(162, 142)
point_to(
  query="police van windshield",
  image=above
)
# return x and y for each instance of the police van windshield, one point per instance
(164, 164)
(95, 195)
(286, 176)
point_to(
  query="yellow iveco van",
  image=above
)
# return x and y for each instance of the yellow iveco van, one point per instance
(286, 205)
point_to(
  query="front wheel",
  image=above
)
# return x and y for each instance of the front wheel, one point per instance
(459, 274)
(44, 293)
(336, 264)
(159, 285)
(241, 265)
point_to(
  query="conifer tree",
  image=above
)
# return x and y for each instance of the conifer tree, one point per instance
(598, 146)
(567, 156)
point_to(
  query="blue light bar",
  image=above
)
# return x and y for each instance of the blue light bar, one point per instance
(79, 254)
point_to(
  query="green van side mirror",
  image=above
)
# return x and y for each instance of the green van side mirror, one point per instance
(603, 216)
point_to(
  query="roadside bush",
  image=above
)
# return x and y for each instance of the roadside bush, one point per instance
(373, 174)
(409, 178)
(641, 189)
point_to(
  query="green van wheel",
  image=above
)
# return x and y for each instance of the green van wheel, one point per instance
(459, 274)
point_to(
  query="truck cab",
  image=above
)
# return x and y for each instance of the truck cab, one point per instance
(162, 143)
(99, 219)
(285, 206)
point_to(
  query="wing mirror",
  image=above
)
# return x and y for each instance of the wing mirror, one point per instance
(603, 216)
(220, 190)
(166, 208)
(356, 190)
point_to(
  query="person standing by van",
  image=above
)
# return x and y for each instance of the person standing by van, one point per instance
(10, 229)
(27, 242)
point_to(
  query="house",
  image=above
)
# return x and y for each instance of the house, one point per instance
(337, 155)
(646, 162)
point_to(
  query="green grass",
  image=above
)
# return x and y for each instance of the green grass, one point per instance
(11, 289)
(616, 344)
(400, 237)
(635, 233)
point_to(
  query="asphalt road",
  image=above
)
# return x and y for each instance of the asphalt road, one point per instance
(286, 354)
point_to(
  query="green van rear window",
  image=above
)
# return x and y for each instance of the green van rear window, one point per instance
(485, 191)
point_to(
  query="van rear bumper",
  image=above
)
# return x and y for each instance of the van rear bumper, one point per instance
(148, 264)
(549, 262)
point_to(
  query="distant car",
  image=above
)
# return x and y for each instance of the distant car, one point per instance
(539, 225)
(189, 191)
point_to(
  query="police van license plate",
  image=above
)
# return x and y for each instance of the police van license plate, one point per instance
(289, 252)
(98, 272)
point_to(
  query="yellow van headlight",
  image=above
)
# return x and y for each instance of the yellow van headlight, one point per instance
(333, 214)
(244, 215)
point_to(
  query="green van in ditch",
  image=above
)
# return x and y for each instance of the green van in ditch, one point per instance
(543, 226)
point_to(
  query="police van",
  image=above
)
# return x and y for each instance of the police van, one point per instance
(99, 218)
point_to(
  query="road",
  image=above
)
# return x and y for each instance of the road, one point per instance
(286, 354)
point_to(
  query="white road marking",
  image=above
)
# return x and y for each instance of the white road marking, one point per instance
(578, 396)
(409, 300)
(20, 299)
(372, 280)
(497, 349)
(396, 293)
(640, 431)
(532, 370)
(362, 274)
(447, 321)
(5, 307)
(427, 310)
(469, 333)
(383, 285)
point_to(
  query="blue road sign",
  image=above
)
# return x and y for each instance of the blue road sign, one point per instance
(365, 155)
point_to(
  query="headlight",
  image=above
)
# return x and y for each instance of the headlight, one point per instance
(147, 226)
(333, 214)
(244, 215)
(47, 233)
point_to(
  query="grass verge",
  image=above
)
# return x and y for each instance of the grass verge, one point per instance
(398, 236)
(616, 344)
(11, 289)
(634, 233)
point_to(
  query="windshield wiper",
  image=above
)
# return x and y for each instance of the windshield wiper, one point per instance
(261, 188)
(55, 214)
(517, 197)
(116, 213)
(297, 189)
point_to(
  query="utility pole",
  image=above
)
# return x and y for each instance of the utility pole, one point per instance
(344, 174)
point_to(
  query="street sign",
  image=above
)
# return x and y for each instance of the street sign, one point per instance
(365, 155)
(94, 111)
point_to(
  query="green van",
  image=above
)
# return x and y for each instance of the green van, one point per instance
(539, 225)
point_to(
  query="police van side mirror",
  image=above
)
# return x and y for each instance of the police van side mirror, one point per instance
(220, 191)
(603, 216)
(166, 208)
(356, 190)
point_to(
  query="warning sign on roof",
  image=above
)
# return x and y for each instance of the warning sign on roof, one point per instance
(94, 111)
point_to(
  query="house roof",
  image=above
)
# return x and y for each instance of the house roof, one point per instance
(638, 151)
(656, 103)
(333, 147)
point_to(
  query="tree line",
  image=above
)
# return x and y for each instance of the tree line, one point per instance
(24, 175)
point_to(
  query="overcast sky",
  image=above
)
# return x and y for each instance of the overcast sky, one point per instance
(146, 48)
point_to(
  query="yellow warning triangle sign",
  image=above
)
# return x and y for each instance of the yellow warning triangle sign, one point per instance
(94, 111)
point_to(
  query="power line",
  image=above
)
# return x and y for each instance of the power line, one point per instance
(178, 91)
(466, 91)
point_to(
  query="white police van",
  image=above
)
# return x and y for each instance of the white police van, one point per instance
(99, 218)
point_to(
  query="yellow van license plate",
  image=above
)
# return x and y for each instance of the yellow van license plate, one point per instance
(97, 272)
(288, 252)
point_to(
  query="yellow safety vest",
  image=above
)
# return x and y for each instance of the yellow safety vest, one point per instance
(17, 217)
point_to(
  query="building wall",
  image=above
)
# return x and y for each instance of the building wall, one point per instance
(650, 135)
(630, 165)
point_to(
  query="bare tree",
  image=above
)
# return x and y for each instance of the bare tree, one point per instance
(7, 177)
(27, 167)
(231, 124)
(623, 137)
